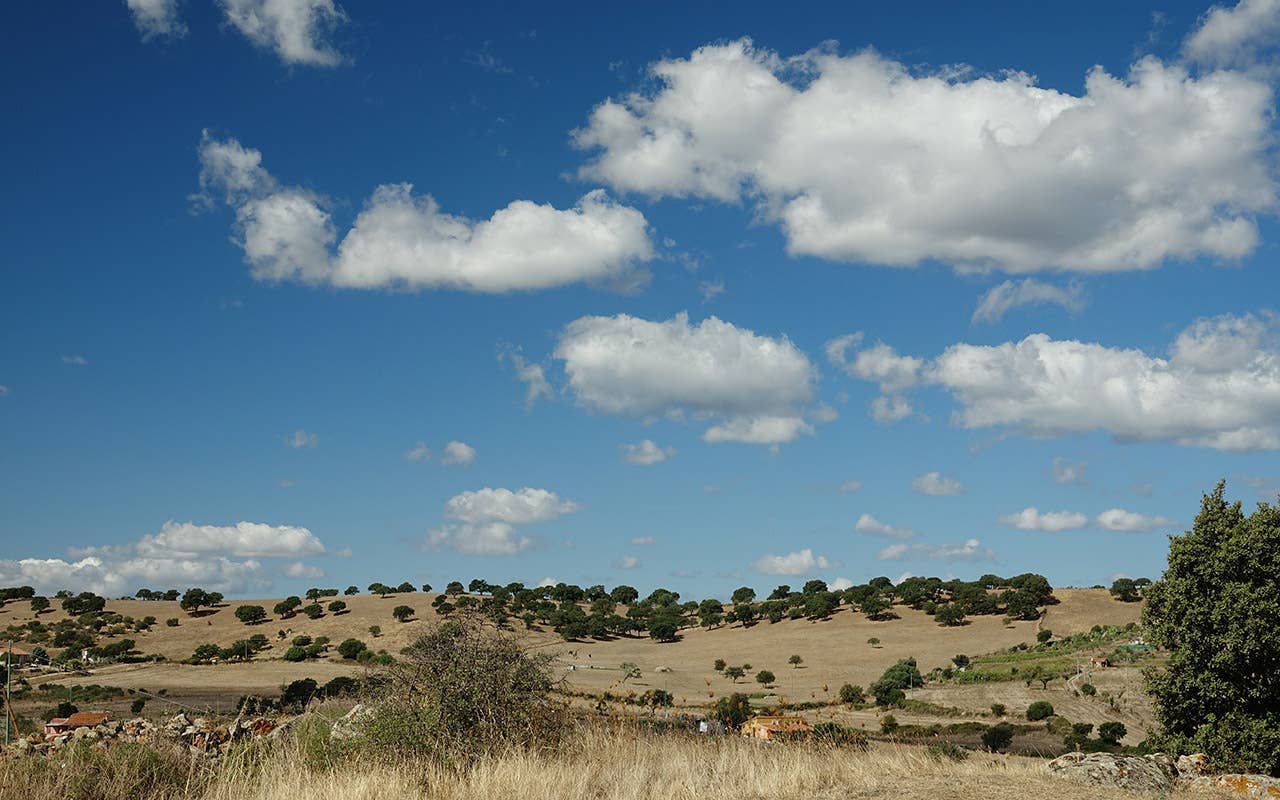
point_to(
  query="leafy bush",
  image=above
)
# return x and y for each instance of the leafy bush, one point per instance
(733, 710)
(462, 692)
(295, 653)
(947, 751)
(888, 724)
(1088, 689)
(1112, 732)
(998, 737)
(1040, 709)
(350, 649)
(852, 694)
(998, 709)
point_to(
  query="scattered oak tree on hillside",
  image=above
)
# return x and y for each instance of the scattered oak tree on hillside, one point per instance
(402, 613)
(251, 615)
(1215, 609)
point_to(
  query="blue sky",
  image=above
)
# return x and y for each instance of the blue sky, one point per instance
(698, 311)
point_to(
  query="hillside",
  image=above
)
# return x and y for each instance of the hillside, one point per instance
(834, 651)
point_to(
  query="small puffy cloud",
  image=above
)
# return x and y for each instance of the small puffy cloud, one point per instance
(887, 409)
(1003, 298)
(710, 290)
(879, 363)
(251, 539)
(758, 430)
(419, 452)
(971, 550)
(545, 582)
(296, 30)
(299, 570)
(157, 19)
(861, 158)
(840, 584)
(937, 485)
(850, 486)
(646, 453)
(627, 562)
(503, 505)
(641, 541)
(301, 439)
(79, 361)
(1069, 472)
(800, 562)
(459, 453)
(1031, 519)
(532, 375)
(400, 240)
(4, 390)
(1219, 388)
(487, 520)
(870, 525)
(1117, 519)
(1232, 36)
(757, 385)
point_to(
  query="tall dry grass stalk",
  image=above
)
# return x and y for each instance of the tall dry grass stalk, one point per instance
(618, 766)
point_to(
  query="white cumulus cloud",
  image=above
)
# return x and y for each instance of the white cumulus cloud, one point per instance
(800, 562)
(405, 241)
(646, 453)
(296, 30)
(1117, 519)
(459, 453)
(1218, 388)
(869, 524)
(487, 520)
(936, 484)
(757, 386)
(301, 439)
(156, 19)
(865, 159)
(1232, 36)
(1031, 519)
(248, 539)
(297, 569)
(627, 562)
(419, 452)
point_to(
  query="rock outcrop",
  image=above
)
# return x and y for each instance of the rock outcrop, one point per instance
(1154, 773)
(199, 735)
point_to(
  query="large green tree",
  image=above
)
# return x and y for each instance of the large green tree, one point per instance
(1215, 609)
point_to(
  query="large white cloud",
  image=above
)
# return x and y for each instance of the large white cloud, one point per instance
(1032, 519)
(403, 240)
(487, 520)
(756, 385)
(295, 29)
(117, 577)
(800, 562)
(862, 158)
(156, 18)
(246, 539)
(1233, 35)
(1218, 388)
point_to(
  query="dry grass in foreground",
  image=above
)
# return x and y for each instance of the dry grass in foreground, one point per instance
(597, 765)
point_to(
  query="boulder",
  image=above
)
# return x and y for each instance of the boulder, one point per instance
(348, 727)
(1192, 765)
(1237, 784)
(1130, 773)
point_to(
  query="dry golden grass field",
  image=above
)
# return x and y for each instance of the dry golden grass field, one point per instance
(835, 652)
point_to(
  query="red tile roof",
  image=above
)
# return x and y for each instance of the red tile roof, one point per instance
(86, 719)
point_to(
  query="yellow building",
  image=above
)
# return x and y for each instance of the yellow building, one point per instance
(768, 727)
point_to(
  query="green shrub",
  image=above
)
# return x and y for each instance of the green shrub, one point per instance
(888, 724)
(998, 709)
(997, 738)
(295, 653)
(947, 751)
(1112, 732)
(462, 692)
(852, 694)
(1088, 689)
(1040, 709)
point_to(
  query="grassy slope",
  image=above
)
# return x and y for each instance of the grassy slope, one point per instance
(834, 651)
